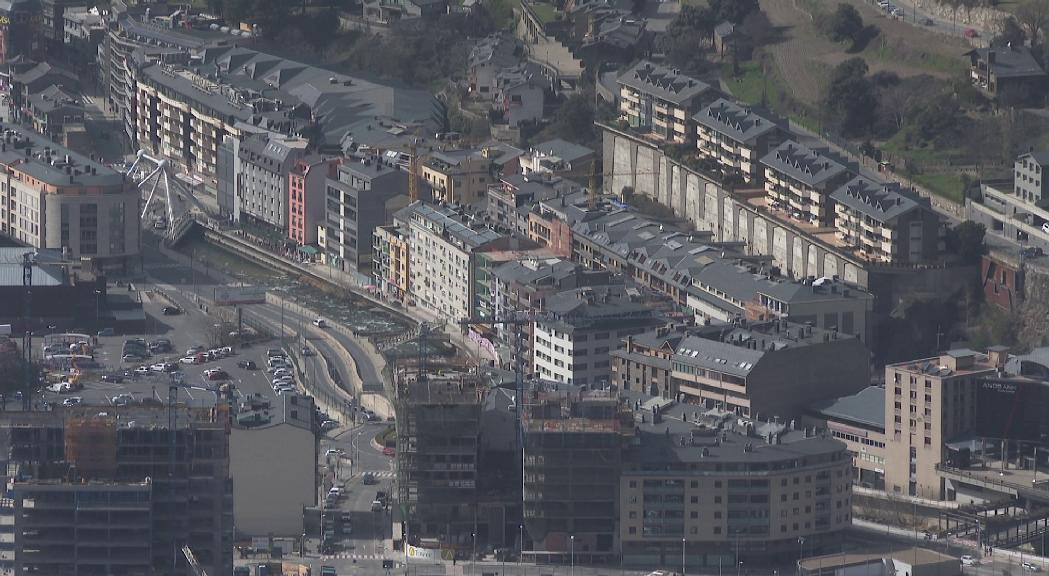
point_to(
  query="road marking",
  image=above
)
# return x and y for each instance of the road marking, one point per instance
(353, 557)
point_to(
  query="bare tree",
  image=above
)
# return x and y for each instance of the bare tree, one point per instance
(1034, 15)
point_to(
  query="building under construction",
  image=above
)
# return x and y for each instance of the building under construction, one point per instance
(573, 440)
(438, 424)
(116, 493)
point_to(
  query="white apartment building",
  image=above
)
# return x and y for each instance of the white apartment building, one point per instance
(442, 259)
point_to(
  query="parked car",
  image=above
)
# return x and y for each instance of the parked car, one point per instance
(218, 375)
(273, 352)
(141, 370)
(969, 561)
(1027, 566)
(376, 506)
(171, 311)
(159, 367)
(114, 378)
(389, 451)
(971, 33)
(194, 350)
(188, 360)
(247, 365)
(72, 401)
(123, 399)
(329, 425)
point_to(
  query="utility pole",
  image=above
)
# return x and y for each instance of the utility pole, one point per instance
(413, 171)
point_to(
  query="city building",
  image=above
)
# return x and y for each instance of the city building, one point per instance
(930, 402)
(438, 430)
(489, 56)
(265, 163)
(365, 196)
(1003, 279)
(511, 200)
(443, 261)
(1029, 182)
(52, 23)
(858, 420)
(573, 438)
(559, 158)
(273, 464)
(391, 260)
(52, 197)
(29, 78)
(1010, 71)
(61, 296)
(457, 176)
(767, 369)
(391, 11)
(827, 303)
(579, 327)
(55, 110)
(519, 96)
(307, 186)
(912, 561)
(885, 222)
(660, 101)
(736, 138)
(642, 364)
(83, 31)
(100, 493)
(798, 181)
(19, 30)
(702, 489)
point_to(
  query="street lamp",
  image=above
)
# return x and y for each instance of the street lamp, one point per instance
(572, 538)
(682, 556)
(801, 552)
(739, 567)
(98, 309)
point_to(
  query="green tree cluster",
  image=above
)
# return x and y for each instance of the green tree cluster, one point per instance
(850, 97)
(844, 24)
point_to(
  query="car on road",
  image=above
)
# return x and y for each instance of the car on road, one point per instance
(389, 451)
(1027, 566)
(320, 323)
(369, 478)
(332, 452)
(159, 367)
(328, 571)
(72, 401)
(141, 370)
(171, 311)
(106, 332)
(1045, 227)
(274, 352)
(376, 506)
(329, 425)
(217, 375)
(285, 390)
(969, 561)
(928, 22)
(247, 365)
(307, 351)
(194, 350)
(113, 378)
(188, 360)
(123, 399)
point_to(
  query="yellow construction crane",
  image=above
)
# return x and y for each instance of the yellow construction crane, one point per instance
(413, 171)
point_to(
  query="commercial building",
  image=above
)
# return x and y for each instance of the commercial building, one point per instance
(708, 489)
(438, 429)
(52, 197)
(83, 31)
(928, 403)
(273, 465)
(573, 440)
(457, 176)
(858, 420)
(365, 196)
(886, 223)
(736, 138)
(443, 260)
(660, 101)
(798, 181)
(771, 369)
(572, 339)
(307, 187)
(1029, 181)
(101, 493)
(265, 162)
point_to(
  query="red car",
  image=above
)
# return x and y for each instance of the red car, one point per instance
(218, 375)
(389, 451)
(971, 33)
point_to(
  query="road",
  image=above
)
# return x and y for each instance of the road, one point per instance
(916, 16)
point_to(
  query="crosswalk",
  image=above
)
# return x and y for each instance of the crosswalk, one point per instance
(353, 557)
(380, 475)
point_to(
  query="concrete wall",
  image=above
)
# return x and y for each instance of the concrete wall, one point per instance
(274, 477)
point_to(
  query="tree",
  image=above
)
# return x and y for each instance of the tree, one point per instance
(1011, 34)
(845, 24)
(685, 39)
(732, 10)
(573, 121)
(1034, 15)
(966, 241)
(850, 96)
(758, 28)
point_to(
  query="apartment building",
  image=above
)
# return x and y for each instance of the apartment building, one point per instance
(442, 259)
(798, 181)
(858, 420)
(572, 462)
(510, 201)
(1010, 71)
(559, 158)
(488, 57)
(365, 196)
(519, 96)
(52, 197)
(52, 23)
(660, 101)
(886, 223)
(572, 340)
(438, 430)
(642, 364)
(266, 161)
(736, 138)
(771, 369)
(826, 303)
(457, 176)
(929, 402)
(95, 493)
(18, 29)
(307, 186)
(1029, 181)
(706, 489)
(391, 260)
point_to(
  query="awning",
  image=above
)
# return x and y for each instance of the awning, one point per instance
(308, 249)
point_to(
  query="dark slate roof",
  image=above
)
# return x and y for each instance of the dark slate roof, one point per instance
(739, 123)
(1010, 62)
(810, 167)
(881, 201)
(83, 170)
(536, 271)
(495, 49)
(1041, 157)
(563, 149)
(664, 83)
(865, 407)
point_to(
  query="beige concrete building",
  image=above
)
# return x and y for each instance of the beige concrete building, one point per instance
(660, 101)
(798, 181)
(52, 197)
(928, 402)
(273, 465)
(727, 492)
(885, 222)
(735, 138)
(458, 176)
(858, 421)
(391, 260)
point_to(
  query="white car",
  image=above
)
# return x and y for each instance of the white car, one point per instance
(142, 370)
(188, 360)
(211, 371)
(283, 391)
(969, 561)
(1027, 566)
(71, 401)
(320, 323)
(158, 367)
(333, 452)
(123, 399)
(281, 372)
